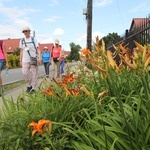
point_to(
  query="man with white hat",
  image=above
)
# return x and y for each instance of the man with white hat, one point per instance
(29, 48)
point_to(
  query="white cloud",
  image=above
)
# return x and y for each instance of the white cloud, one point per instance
(97, 33)
(53, 2)
(82, 38)
(52, 19)
(13, 20)
(9, 31)
(15, 12)
(139, 8)
(102, 3)
(94, 35)
(58, 31)
(49, 40)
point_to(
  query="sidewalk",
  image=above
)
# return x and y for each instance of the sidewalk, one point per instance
(14, 93)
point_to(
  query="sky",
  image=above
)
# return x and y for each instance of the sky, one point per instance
(64, 19)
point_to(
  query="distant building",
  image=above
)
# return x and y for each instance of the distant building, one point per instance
(49, 45)
(13, 44)
(66, 53)
(139, 23)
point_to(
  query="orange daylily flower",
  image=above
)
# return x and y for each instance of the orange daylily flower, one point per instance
(49, 91)
(86, 51)
(68, 78)
(60, 83)
(39, 127)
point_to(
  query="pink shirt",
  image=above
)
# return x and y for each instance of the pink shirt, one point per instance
(1, 51)
(56, 52)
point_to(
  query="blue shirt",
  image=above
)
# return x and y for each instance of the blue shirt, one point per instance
(46, 56)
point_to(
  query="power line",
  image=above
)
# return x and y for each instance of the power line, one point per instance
(120, 12)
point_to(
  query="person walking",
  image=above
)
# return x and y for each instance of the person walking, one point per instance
(3, 59)
(46, 59)
(56, 55)
(29, 48)
(62, 62)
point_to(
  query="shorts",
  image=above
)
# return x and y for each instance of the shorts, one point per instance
(2, 61)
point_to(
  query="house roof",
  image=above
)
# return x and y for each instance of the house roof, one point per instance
(49, 45)
(66, 53)
(11, 44)
(137, 22)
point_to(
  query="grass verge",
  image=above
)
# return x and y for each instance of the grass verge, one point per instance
(16, 84)
(11, 86)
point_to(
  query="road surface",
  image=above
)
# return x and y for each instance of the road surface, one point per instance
(16, 75)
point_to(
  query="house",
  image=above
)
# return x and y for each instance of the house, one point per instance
(66, 53)
(13, 44)
(139, 23)
(49, 45)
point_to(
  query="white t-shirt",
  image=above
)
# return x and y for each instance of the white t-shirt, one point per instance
(30, 45)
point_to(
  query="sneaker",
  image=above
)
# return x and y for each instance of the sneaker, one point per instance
(32, 91)
(28, 89)
(47, 76)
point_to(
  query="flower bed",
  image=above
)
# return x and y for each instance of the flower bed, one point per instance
(104, 107)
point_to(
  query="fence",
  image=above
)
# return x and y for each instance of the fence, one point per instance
(140, 33)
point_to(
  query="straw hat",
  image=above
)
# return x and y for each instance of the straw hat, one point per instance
(56, 41)
(45, 47)
(26, 28)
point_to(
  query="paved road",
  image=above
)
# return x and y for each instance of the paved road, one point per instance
(16, 74)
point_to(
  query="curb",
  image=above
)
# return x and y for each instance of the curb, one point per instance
(39, 76)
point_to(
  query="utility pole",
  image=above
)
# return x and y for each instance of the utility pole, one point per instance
(89, 24)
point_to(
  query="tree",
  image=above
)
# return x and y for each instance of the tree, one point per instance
(17, 52)
(110, 39)
(74, 54)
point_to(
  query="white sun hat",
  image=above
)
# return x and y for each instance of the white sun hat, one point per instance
(56, 41)
(26, 28)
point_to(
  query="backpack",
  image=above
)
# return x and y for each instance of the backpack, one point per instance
(32, 39)
(1, 43)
